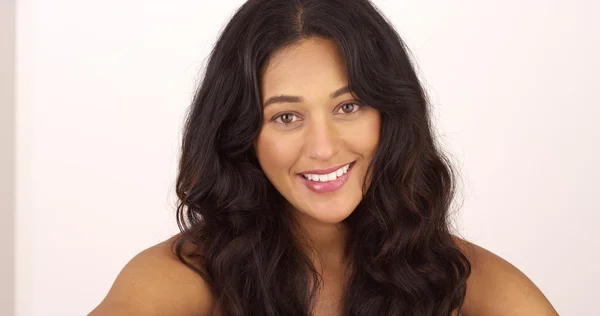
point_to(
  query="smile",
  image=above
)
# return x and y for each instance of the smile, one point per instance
(322, 183)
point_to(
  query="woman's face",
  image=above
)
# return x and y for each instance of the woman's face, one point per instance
(317, 140)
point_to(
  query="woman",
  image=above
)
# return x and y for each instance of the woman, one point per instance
(310, 184)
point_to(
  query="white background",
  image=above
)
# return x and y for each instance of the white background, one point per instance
(102, 88)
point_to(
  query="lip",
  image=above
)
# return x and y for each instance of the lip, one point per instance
(324, 171)
(330, 186)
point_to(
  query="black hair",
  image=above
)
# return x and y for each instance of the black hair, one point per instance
(404, 259)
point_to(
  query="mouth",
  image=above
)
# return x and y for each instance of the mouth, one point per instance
(323, 183)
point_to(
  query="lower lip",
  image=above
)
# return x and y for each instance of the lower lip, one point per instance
(329, 186)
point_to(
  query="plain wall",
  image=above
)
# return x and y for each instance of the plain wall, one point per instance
(7, 156)
(102, 88)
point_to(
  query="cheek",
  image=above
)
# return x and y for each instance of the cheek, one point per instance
(275, 154)
(366, 142)
(373, 140)
(366, 136)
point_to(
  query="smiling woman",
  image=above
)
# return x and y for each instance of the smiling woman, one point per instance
(310, 184)
(315, 147)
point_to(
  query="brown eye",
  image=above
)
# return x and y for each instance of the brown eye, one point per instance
(349, 108)
(285, 118)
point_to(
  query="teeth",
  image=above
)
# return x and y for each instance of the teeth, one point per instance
(327, 177)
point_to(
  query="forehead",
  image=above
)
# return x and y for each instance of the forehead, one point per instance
(310, 65)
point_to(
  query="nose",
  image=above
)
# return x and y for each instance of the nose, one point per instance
(323, 140)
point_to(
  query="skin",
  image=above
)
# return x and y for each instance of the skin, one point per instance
(155, 282)
(317, 132)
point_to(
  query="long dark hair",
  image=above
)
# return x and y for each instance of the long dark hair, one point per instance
(404, 258)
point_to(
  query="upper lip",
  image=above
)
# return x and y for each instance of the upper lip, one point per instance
(324, 171)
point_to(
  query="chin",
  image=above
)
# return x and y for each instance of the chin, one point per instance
(330, 215)
(331, 209)
(332, 219)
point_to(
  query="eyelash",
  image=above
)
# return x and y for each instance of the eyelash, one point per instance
(277, 118)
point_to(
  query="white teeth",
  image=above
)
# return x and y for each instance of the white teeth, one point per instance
(327, 177)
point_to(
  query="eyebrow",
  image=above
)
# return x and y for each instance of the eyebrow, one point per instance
(296, 99)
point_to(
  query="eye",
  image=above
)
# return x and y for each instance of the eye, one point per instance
(349, 108)
(285, 118)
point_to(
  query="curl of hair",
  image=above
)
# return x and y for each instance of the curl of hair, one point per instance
(404, 259)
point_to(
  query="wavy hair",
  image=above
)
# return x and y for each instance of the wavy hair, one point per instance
(404, 259)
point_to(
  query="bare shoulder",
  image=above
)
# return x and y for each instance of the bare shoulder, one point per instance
(156, 282)
(496, 287)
